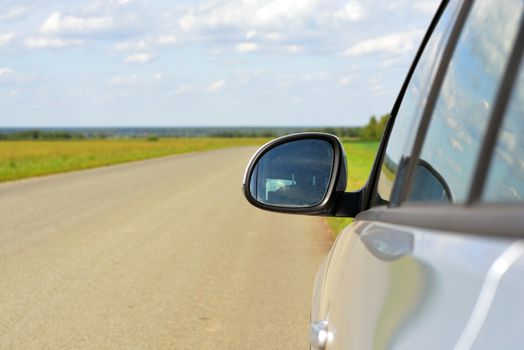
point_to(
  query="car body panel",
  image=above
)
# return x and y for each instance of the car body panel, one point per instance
(398, 287)
(419, 274)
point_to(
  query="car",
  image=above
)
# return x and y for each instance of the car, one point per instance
(434, 258)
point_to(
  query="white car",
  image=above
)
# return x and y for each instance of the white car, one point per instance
(435, 256)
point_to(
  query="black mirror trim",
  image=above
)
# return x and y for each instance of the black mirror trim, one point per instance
(334, 200)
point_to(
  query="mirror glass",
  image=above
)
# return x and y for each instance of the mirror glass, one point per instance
(293, 174)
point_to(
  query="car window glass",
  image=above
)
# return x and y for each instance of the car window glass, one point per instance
(465, 102)
(404, 130)
(505, 181)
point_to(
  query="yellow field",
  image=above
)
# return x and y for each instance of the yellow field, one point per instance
(22, 159)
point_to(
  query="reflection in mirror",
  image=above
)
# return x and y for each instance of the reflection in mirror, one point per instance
(293, 174)
(458, 124)
(505, 181)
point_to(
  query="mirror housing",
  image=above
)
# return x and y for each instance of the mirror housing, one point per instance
(309, 169)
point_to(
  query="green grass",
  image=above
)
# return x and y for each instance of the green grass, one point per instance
(360, 157)
(23, 159)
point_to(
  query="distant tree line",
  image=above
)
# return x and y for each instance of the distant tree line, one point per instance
(238, 133)
(372, 131)
(41, 135)
(342, 132)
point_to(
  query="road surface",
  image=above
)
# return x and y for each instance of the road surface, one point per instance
(157, 254)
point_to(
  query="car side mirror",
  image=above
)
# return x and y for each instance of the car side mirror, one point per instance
(429, 185)
(301, 173)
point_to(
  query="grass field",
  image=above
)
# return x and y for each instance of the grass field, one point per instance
(23, 159)
(360, 157)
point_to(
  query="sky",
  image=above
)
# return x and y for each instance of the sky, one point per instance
(204, 63)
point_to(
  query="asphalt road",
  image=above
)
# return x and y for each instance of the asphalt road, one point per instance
(158, 254)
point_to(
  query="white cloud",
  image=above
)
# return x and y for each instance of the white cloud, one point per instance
(55, 23)
(112, 7)
(391, 62)
(166, 39)
(14, 13)
(132, 45)
(395, 43)
(184, 89)
(344, 81)
(273, 36)
(455, 144)
(245, 76)
(145, 43)
(427, 7)
(5, 71)
(44, 43)
(216, 85)
(317, 26)
(139, 58)
(352, 11)
(491, 37)
(296, 37)
(124, 80)
(316, 77)
(377, 88)
(231, 13)
(485, 104)
(6, 38)
(293, 48)
(247, 47)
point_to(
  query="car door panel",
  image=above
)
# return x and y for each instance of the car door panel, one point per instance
(384, 291)
(496, 322)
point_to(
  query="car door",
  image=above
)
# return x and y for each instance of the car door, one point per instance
(436, 260)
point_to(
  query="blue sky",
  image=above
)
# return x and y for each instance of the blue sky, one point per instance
(204, 63)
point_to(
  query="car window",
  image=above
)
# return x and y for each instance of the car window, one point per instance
(404, 130)
(505, 181)
(465, 102)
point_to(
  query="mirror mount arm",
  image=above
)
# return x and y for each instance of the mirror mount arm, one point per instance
(347, 204)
